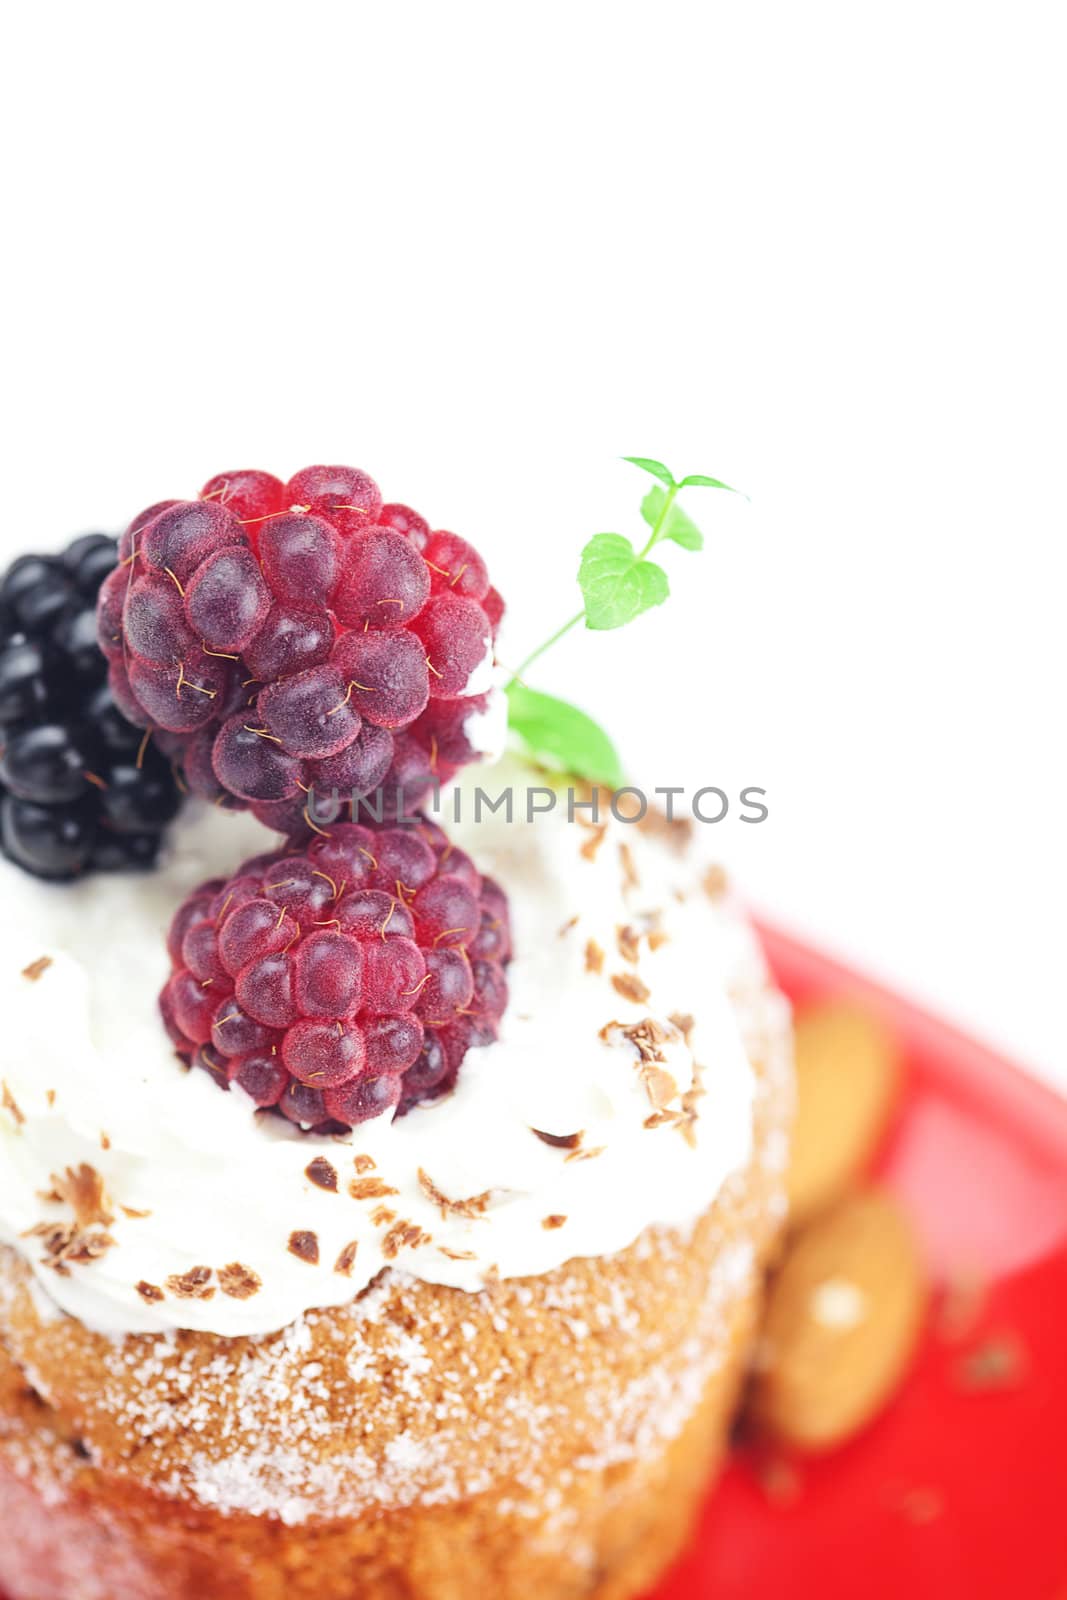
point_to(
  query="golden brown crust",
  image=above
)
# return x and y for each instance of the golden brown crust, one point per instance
(548, 1436)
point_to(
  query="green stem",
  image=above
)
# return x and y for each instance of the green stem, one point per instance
(541, 648)
(672, 494)
(661, 520)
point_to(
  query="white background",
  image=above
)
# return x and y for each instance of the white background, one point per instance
(483, 251)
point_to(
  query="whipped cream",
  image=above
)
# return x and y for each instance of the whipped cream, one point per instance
(208, 1197)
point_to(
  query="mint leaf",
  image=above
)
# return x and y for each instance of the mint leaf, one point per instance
(657, 469)
(616, 584)
(562, 737)
(697, 480)
(682, 529)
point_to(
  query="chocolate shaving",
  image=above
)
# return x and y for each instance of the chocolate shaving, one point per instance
(381, 1216)
(555, 1220)
(150, 1293)
(365, 1163)
(192, 1285)
(657, 937)
(559, 1141)
(457, 1255)
(675, 831)
(346, 1260)
(630, 880)
(714, 883)
(50, 1096)
(594, 957)
(131, 1211)
(322, 1174)
(659, 1085)
(629, 942)
(404, 1235)
(683, 1022)
(473, 1207)
(586, 1155)
(997, 1363)
(305, 1245)
(37, 969)
(568, 925)
(629, 985)
(9, 1103)
(370, 1189)
(65, 1242)
(690, 1114)
(646, 1036)
(239, 1281)
(82, 1188)
(105, 1142)
(591, 846)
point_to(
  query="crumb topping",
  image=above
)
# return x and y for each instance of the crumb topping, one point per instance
(192, 1285)
(239, 1281)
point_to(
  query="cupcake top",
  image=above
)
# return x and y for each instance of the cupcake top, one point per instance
(617, 1095)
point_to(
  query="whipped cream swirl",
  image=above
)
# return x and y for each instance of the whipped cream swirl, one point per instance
(593, 1116)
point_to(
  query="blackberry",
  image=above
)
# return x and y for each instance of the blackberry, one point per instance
(78, 793)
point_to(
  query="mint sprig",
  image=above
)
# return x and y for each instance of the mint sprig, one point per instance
(563, 738)
(618, 584)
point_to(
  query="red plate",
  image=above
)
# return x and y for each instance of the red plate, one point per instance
(959, 1489)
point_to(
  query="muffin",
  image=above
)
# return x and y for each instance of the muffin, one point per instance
(492, 1344)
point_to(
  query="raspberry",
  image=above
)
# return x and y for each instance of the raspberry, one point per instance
(281, 640)
(343, 981)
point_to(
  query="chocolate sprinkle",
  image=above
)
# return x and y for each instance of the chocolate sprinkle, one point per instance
(305, 1244)
(559, 1141)
(346, 1260)
(322, 1174)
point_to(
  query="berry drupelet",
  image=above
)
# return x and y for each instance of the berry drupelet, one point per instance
(289, 639)
(342, 982)
(77, 791)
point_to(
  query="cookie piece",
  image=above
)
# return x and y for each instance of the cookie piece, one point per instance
(848, 1078)
(843, 1316)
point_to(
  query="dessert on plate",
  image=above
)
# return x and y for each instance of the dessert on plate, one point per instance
(383, 1205)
